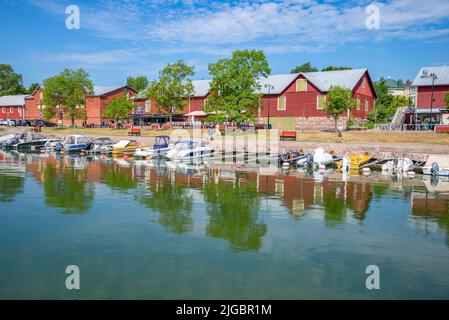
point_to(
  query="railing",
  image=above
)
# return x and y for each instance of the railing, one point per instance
(405, 127)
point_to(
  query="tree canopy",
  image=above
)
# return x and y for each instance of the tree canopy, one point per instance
(173, 87)
(306, 67)
(65, 92)
(10, 81)
(119, 108)
(339, 100)
(234, 86)
(334, 68)
(137, 83)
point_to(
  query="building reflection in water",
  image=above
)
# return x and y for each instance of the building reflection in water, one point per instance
(233, 199)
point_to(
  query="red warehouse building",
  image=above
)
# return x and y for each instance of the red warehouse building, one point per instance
(147, 112)
(94, 106)
(12, 107)
(296, 101)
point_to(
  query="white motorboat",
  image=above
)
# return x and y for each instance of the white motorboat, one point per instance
(186, 150)
(320, 157)
(159, 149)
(398, 165)
(102, 145)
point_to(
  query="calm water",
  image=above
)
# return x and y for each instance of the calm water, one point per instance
(138, 231)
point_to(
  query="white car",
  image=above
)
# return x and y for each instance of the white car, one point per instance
(6, 123)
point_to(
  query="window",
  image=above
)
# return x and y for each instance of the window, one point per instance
(4, 110)
(11, 109)
(358, 102)
(301, 85)
(282, 103)
(41, 95)
(20, 110)
(364, 83)
(320, 101)
(366, 104)
(42, 106)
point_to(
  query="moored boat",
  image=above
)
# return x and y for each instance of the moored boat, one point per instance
(436, 165)
(124, 147)
(159, 149)
(353, 162)
(76, 143)
(186, 150)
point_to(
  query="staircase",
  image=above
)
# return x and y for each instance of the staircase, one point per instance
(398, 118)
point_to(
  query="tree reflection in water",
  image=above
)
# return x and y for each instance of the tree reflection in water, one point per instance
(173, 203)
(233, 213)
(66, 188)
(10, 185)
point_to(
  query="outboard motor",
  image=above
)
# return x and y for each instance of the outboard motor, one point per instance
(309, 160)
(434, 169)
(59, 147)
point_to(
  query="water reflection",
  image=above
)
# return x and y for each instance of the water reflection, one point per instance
(231, 200)
(233, 208)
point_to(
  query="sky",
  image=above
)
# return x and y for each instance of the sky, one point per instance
(122, 38)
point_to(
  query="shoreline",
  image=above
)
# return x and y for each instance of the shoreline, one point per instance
(413, 151)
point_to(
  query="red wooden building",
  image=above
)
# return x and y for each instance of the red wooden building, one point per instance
(12, 107)
(94, 105)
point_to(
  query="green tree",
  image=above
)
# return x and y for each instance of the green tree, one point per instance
(338, 101)
(446, 100)
(235, 86)
(306, 67)
(10, 81)
(65, 92)
(385, 111)
(383, 96)
(119, 108)
(32, 87)
(173, 87)
(137, 83)
(334, 68)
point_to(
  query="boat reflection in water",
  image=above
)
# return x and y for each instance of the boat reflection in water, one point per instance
(187, 222)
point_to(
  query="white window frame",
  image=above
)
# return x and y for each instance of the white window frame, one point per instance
(11, 109)
(359, 101)
(285, 103)
(364, 83)
(3, 110)
(296, 85)
(318, 101)
(366, 104)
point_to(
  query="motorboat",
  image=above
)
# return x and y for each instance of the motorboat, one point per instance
(398, 165)
(25, 140)
(124, 147)
(353, 162)
(52, 144)
(436, 165)
(77, 143)
(159, 149)
(6, 140)
(319, 158)
(102, 145)
(188, 150)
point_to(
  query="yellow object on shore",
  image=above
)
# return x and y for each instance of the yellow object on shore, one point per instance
(356, 161)
(124, 147)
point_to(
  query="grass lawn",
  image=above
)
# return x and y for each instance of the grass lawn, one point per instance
(397, 137)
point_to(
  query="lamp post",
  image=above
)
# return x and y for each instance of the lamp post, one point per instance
(269, 87)
(433, 76)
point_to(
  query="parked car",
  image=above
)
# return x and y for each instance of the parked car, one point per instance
(7, 123)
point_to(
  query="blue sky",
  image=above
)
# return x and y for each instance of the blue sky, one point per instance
(117, 39)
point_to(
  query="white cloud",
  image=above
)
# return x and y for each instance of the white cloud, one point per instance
(200, 26)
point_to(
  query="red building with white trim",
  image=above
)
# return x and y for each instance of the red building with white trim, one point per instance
(12, 107)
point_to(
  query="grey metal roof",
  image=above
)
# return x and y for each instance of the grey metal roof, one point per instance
(324, 80)
(100, 90)
(279, 83)
(442, 73)
(201, 87)
(9, 101)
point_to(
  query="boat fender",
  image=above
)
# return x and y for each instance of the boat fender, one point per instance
(366, 169)
(125, 156)
(411, 174)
